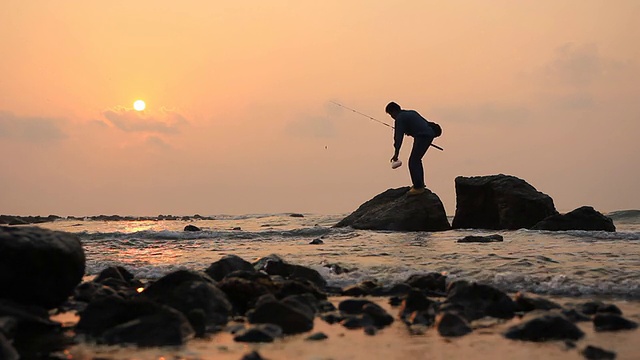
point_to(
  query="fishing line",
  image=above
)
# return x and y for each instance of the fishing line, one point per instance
(374, 119)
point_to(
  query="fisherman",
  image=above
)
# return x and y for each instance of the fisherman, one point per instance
(409, 122)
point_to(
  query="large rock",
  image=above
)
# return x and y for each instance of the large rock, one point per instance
(582, 218)
(397, 211)
(38, 266)
(499, 202)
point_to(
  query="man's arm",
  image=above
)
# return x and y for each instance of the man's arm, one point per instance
(398, 136)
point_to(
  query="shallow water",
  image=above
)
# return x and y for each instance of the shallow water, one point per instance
(570, 263)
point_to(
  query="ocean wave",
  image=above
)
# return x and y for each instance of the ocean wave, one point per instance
(310, 232)
(626, 216)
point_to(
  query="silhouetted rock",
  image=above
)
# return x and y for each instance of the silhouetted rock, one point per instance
(274, 265)
(582, 218)
(544, 328)
(187, 290)
(228, 264)
(259, 333)
(499, 202)
(243, 293)
(192, 228)
(528, 303)
(450, 324)
(397, 211)
(166, 327)
(38, 266)
(7, 351)
(481, 239)
(612, 322)
(296, 215)
(317, 336)
(431, 282)
(596, 353)
(254, 355)
(31, 332)
(114, 320)
(478, 300)
(289, 318)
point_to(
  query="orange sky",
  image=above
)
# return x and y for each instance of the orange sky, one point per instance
(238, 94)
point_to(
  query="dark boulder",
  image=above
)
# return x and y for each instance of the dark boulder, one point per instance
(544, 328)
(612, 322)
(7, 351)
(499, 202)
(242, 293)
(289, 318)
(481, 239)
(430, 282)
(31, 332)
(166, 327)
(596, 353)
(114, 320)
(228, 264)
(258, 333)
(450, 324)
(275, 265)
(478, 300)
(187, 290)
(528, 303)
(582, 218)
(38, 266)
(192, 228)
(397, 211)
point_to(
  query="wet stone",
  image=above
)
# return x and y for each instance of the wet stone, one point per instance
(612, 322)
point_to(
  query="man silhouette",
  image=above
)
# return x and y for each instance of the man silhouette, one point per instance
(409, 122)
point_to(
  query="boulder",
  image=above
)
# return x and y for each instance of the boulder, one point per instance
(474, 301)
(481, 239)
(499, 202)
(545, 328)
(291, 319)
(395, 210)
(226, 265)
(38, 266)
(582, 218)
(187, 290)
(114, 320)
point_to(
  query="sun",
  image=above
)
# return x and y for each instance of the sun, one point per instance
(139, 105)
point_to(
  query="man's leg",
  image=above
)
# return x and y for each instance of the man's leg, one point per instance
(420, 146)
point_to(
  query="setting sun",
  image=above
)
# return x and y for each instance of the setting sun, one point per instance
(139, 105)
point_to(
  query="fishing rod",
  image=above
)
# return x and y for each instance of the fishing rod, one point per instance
(374, 119)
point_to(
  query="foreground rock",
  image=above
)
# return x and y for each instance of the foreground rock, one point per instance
(499, 202)
(38, 266)
(397, 211)
(545, 328)
(582, 218)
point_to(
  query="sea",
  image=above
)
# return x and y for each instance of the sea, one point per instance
(559, 263)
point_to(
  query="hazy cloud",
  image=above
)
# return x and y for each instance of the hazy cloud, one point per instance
(157, 142)
(483, 114)
(33, 129)
(315, 126)
(168, 122)
(580, 65)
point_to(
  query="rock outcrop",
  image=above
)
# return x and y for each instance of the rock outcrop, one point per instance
(499, 202)
(397, 211)
(582, 218)
(38, 266)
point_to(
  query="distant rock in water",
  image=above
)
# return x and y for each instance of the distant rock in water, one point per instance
(395, 210)
(296, 215)
(499, 202)
(192, 228)
(38, 266)
(481, 239)
(582, 218)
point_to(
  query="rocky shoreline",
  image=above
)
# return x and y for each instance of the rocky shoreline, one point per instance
(262, 301)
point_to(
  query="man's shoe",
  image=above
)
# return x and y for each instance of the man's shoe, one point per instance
(415, 191)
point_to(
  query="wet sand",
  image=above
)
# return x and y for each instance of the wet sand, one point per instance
(393, 342)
